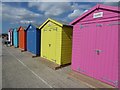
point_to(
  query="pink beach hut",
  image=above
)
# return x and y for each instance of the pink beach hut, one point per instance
(96, 44)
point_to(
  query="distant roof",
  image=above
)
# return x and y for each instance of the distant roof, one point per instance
(15, 29)
(10, 30)
(22, 27)
(33, 24)
(60, 23)
(98, 6)
(36, 25)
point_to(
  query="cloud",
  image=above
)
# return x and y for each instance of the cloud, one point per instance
(111, 3)
(85, 11)
(31, 4)
(81, 6)
(0, 10)
(110, 0)
(75, 14)
(26, 21)
(15, 13)
(51, 9)
(78, 9)
(0, 17)
(59, 0)
(36, 0)
(56, 9)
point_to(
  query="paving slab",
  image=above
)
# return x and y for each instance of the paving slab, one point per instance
(20, 70)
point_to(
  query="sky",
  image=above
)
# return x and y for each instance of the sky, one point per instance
(15, 14)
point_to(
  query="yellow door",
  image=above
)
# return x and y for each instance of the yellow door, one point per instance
(45, 48)
(52, 45)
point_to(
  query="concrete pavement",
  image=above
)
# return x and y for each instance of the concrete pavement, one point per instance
(19, 70)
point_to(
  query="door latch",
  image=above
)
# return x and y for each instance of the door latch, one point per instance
(98, 51)
(49, 45)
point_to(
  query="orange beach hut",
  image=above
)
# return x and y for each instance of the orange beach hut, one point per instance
(22, 38)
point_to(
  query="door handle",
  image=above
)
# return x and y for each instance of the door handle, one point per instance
(98, 51)
(49, 45)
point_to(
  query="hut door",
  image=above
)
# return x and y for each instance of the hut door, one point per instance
(32, 40)
(106, 52)
(45, 39)
(11, 37)
(28, 41)
(86, 45)
(52, 45)
(15, 39)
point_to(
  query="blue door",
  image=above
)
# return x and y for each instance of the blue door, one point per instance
(28, 41)
(15, 39)
(33, 40)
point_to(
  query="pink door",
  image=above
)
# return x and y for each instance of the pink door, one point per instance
(106, 57)
(83, 53)
(95, 51)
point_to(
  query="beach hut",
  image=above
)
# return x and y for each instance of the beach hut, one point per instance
(10, 36)
(15, 37)
(96, 43)
(33, 39)
(56, 41)
(22, 38)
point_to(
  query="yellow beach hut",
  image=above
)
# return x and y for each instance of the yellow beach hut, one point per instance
(56, 41)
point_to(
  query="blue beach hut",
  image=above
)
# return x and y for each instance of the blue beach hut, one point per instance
(15, 35)
(33, 39)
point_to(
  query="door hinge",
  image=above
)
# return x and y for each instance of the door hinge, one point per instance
(81, 70)
(44, 30)
(115, 23)
(53, 60)
(111, 81)
(43, 56)
(99, 25)
(81, 26)
(55, 29)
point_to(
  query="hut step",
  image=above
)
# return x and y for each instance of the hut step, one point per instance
(88, 81)
(51, 64)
